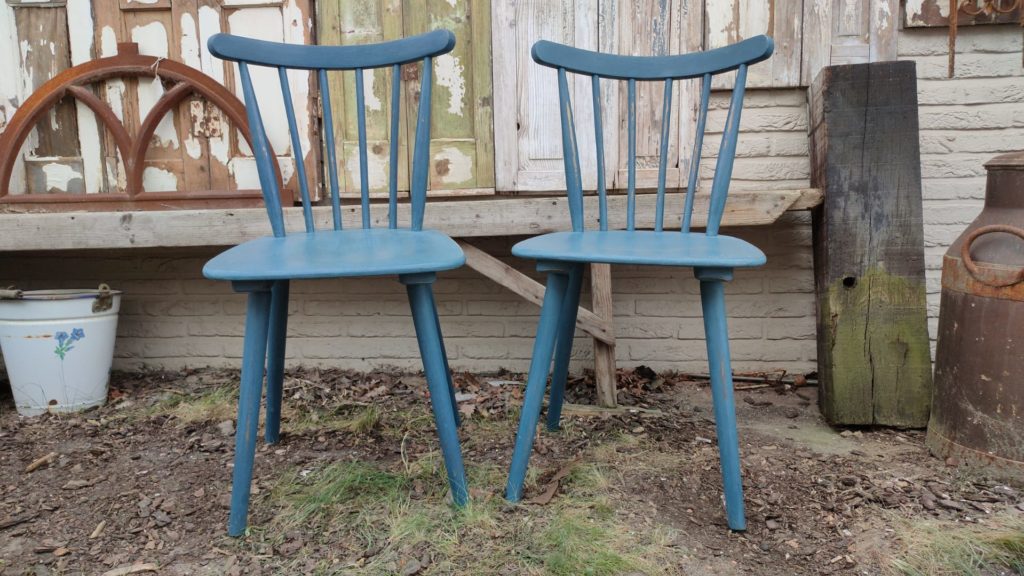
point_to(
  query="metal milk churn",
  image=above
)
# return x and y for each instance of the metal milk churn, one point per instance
(978, 406)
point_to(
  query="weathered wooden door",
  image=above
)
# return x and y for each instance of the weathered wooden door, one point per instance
(193, 148)
(462, 142)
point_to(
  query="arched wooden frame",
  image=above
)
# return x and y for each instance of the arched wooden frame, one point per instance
(128, 63)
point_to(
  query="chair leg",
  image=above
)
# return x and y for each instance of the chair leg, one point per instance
(421, 300)
(447, 369)
(536, 381)
(275, 359)
(712, 295)
(563, 346)
(253, 356)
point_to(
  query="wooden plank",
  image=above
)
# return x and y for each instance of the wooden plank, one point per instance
(729, 21)
(604, 352)
(847, 32)
(504, 216)
(600, 328)
(874, 362)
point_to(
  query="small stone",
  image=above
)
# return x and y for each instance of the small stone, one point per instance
(638, 430)
(772, 525)
(411, 567)
(227, 428)
(790, 412)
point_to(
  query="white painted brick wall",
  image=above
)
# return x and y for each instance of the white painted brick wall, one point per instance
(173, 318)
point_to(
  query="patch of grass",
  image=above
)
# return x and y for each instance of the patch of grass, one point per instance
(942, 548)
(342, 418)
(343, 485)
(213, 405)
(577, 544)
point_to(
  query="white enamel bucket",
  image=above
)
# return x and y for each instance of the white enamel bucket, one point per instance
(58, 346)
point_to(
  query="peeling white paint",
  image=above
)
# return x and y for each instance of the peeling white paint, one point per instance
(192, 147)
(452, 3)
(219, 147)
(115, 88)
(152, 41)
(80, 43)
(370, 89)
(265, 24)
(189, 41)
(459, 165)
(158, 180)
(246, 177)
(719, 23)
(209, 24)
(376, 170)
(59, 176)
(108, 42)
(451, 74)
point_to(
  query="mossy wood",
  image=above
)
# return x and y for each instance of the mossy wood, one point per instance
(874, 362)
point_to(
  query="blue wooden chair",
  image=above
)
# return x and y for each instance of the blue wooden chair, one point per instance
(712, 256)
(263, 268)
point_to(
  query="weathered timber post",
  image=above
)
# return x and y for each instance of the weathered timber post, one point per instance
(874, 365)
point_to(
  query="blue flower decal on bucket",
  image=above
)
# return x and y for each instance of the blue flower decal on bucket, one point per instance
(66, 343)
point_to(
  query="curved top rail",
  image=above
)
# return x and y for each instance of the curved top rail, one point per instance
(680, 66)
(264, 53)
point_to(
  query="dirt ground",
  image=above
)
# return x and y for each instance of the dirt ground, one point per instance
(356, 486)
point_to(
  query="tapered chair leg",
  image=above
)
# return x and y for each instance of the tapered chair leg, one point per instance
(253, 356)
(421, 300)
(447, 370)
(275, 359)
(712, 296)
(563, 346)
(536, 382)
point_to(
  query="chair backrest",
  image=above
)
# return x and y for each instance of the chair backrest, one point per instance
(668, 69)
(248, 51)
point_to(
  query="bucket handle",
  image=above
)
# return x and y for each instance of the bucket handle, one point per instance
(104, 300)
(991, 278)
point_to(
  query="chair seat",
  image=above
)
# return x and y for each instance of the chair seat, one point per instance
(671, 248)
(337, 253)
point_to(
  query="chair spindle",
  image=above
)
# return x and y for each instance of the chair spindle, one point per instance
(602, 195)
(396, 85)
(332, 156)
(420, 164)
(364, 184)
(631, 179)
(262, 153)
(726, 154)
(666, 129)
(698, 143)
(300, 166)
(570, 153)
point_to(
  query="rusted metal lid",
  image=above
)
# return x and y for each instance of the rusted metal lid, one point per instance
(1008, 161)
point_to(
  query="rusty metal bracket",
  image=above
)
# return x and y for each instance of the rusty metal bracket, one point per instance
(974, 10)
(180, 81)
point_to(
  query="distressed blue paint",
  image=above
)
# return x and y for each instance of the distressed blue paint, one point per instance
(396, 112)
(666, 130)
(421, 301)
(265, 266)
(300, 166)
(275, 359)
(713, 257)
(364, 184)
(332, 156)
(536, 381)
(253, 354)
(698, 143)
(602, 194)
(712, 297)
(563, 345)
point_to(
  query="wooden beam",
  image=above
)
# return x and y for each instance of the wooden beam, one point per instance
(604, 352)
(465, 218)
(874, 362)
(601, 329)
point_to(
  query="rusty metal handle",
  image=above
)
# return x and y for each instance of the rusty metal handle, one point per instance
(991, 279)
